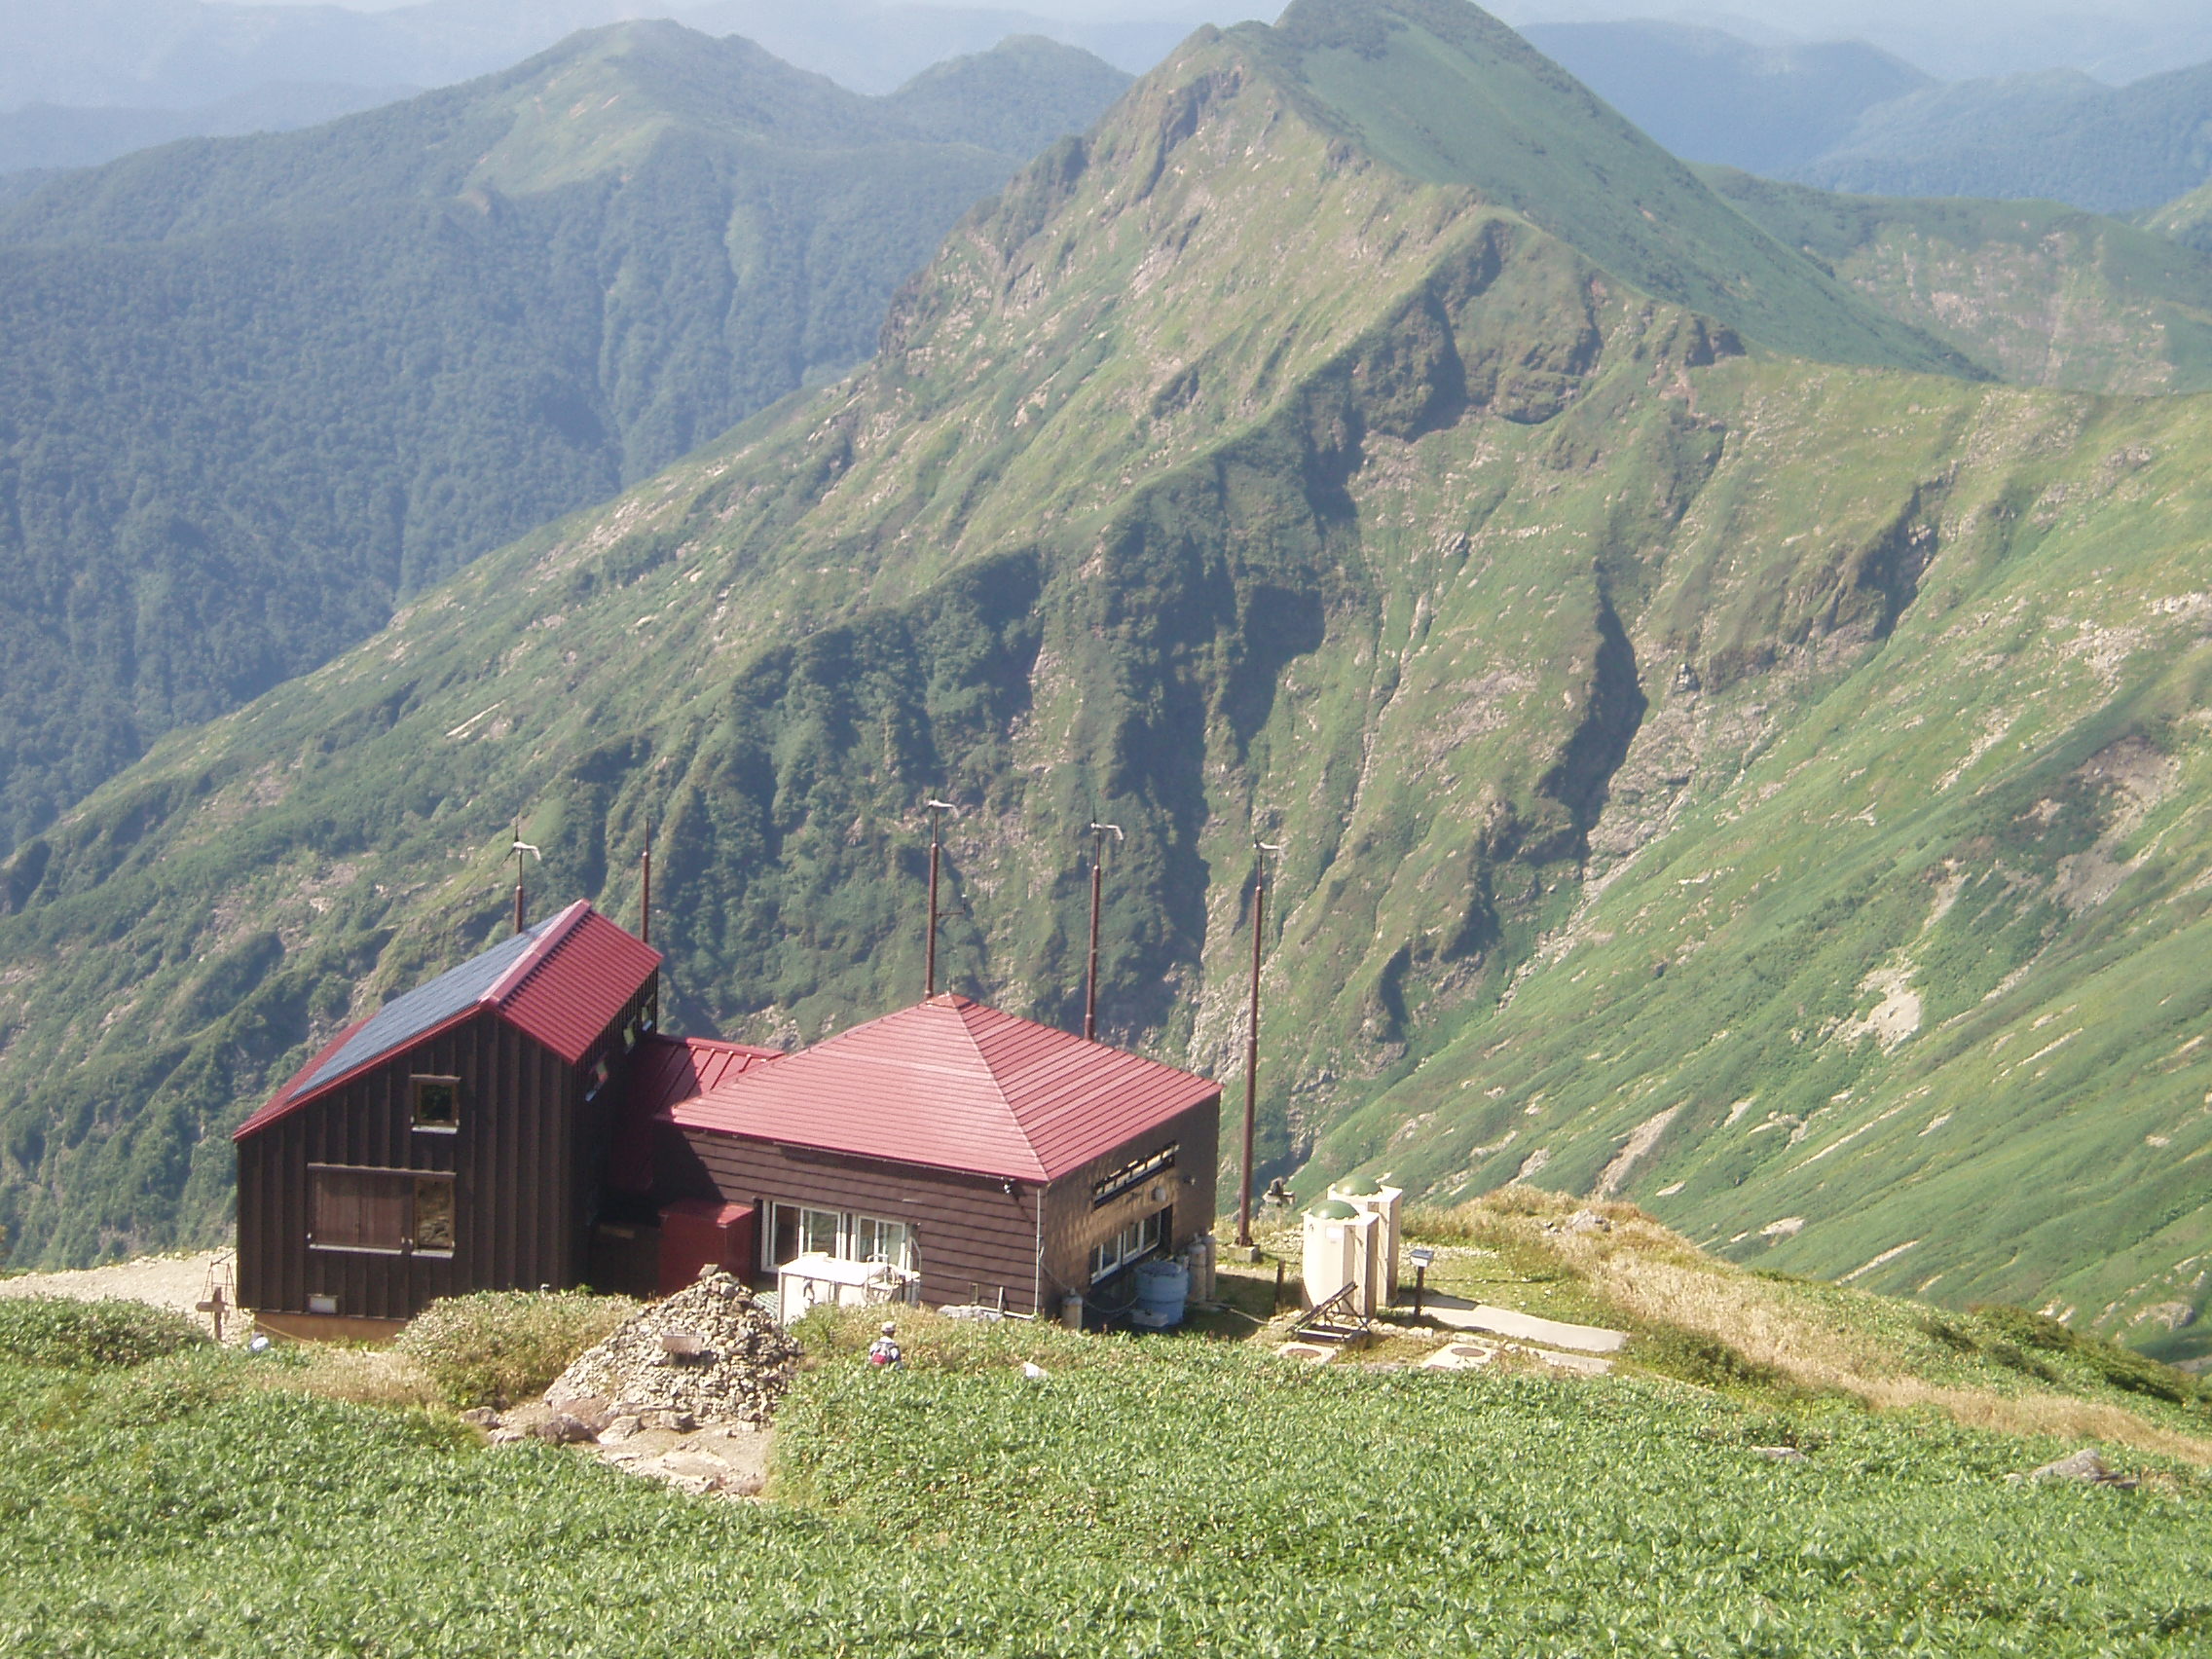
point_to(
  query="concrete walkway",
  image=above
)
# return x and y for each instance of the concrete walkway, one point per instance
(1463, 1315)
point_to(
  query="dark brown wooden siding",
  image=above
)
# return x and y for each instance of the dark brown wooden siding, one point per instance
(528, 1161)
(1074, 1224)
(970, 1234)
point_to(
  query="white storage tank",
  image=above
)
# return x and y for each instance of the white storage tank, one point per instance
(1385, 1204)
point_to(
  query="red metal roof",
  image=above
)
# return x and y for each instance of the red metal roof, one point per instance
(664, 1070)
(569, 990)
(561, 984)
(954, 1085)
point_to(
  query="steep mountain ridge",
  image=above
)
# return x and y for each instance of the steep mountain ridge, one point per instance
(254, 391)
(1675, 743)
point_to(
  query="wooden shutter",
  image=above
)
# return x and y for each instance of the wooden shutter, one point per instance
(360, 1209)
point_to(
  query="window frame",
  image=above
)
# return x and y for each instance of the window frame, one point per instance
(1138, 1240)
(845, 1226)
(1135, 1173)
(410, 1183)
(422, 1125)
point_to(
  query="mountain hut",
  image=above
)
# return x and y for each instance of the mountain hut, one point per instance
(520, 1121)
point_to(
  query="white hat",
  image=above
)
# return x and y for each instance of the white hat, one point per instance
(889, 1329)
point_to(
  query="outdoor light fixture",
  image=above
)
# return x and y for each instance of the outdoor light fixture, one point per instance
(1422, 1255)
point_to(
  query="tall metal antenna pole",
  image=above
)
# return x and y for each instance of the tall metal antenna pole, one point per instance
(1252, 1049)
(646, 900)
(1098, 833)
(929, 948)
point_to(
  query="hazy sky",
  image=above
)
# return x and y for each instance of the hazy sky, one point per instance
(2116, 40)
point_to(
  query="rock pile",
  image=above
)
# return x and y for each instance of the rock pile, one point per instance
(732, 1363)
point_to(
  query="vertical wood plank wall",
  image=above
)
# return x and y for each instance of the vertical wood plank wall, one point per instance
(527, 1159)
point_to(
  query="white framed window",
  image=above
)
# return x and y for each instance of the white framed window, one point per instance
(1142, 1237)
(801, 1229)
(873, 1241)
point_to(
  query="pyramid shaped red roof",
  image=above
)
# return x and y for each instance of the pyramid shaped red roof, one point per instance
(954, 1085)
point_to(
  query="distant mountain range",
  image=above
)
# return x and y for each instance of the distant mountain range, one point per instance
(1732, 709)
(1954, 40)
(254, 392)
(1845, 117)
(83, 82)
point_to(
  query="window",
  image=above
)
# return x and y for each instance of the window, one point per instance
(437, 1103)
(601, 1071)
(1135, 1242)
(384, 1212)
(876, 1240)
(433, 1213)
(1135, 1173)
(801, 1230)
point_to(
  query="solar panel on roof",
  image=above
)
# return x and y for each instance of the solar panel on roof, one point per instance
(406, 1017)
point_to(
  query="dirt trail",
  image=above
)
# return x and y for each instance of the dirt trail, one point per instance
(166, 1281)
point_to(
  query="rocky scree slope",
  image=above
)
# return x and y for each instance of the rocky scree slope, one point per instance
(1715, 737)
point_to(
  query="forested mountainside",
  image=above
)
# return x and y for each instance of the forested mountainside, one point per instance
(254, 392)
(1729, 752)
(2043, 295)
(2059, 134)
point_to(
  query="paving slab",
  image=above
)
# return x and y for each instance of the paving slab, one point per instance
(1460, 1356)
(1505, 1322)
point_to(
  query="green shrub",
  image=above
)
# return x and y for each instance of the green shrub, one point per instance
(57, 1331)
(497, 1346)
(1704, 1360)
(2015, 1329)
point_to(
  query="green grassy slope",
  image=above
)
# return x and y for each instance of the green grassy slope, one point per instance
(1451, 95)
(2043, 295)
(252, 393)
(2188, 218)
(1171, 1495)
(1769, 736)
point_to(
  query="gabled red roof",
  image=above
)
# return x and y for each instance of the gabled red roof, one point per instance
(954, 1085)
(664, 1070)
(561, 982)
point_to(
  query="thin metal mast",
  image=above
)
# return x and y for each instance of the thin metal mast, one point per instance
(1252, 1047)
(1098, 833)
(929, 947)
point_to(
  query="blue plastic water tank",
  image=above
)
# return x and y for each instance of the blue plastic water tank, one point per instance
(1163, 1288)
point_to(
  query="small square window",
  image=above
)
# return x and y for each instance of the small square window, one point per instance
(437, 1102)
(317, 1302)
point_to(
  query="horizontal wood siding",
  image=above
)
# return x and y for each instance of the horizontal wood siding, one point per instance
(528, 1159)
(1074, 1226)
(970, 1234)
